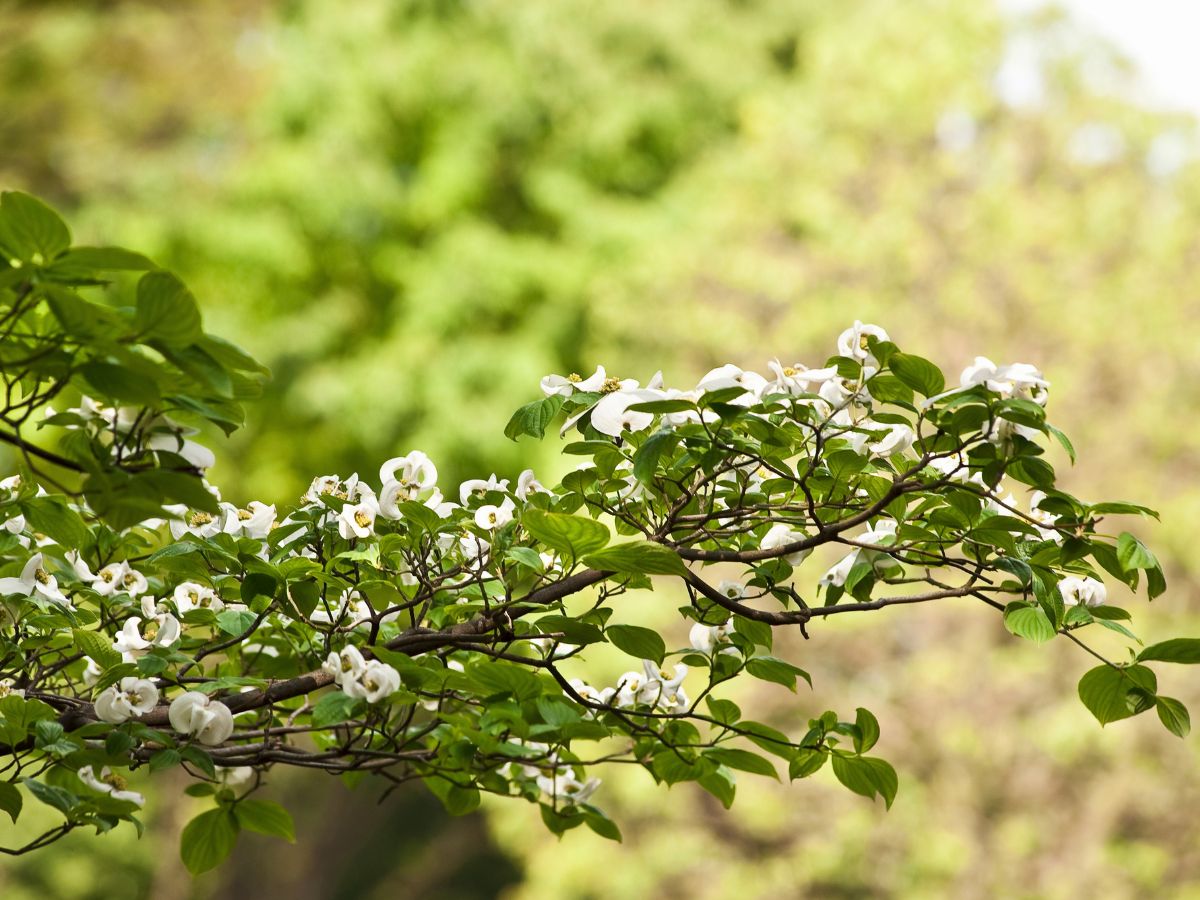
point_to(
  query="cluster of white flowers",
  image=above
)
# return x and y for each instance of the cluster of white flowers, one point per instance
(557, 781)
(656, 687)
(361, 678)
(154, 613)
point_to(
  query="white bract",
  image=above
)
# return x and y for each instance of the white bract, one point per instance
(34, 579)
(853, 341)
(782, 535)
(553, 385)
(1085, 591)
(129, 698)
(109, 783)
(197, 715)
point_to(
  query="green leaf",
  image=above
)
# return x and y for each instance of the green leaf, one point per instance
(806, 762)
(724, 711)
(235, 621)
(119, 383)
(265, 817)
(779, 671)
(639, 642)
(97, 647)
(645, 460)
(1029, 622)
(720, 784)
(556, 712)
(533, 418)
(30, 230)
(1133, 554)
(867, 775)
(1104, 690)
(1176, 650)
(638, 558)
(868, 728)
(742, 759)
(602, 825)
(59, 798)
(1065, 441)
(505, 678)
(257, 584)
(166, 310)
(114, 259)
(574, 535)
(333, 709)
(10, 800)
(457, 799)
(919, 374)
(52, 517)
(1121, 508)
(1173, 715)
(207, 840)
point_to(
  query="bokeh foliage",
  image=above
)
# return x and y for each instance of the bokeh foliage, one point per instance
(413, 210)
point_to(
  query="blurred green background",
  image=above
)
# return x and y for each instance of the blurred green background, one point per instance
(413, 209)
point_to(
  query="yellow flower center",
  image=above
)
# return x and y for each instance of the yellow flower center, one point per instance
(199, 518)
(789, 371)
(42, 576)
(362, 519)
(574, 378)
(610, 385)
(117, 782)
(244, 515)
(862, 342)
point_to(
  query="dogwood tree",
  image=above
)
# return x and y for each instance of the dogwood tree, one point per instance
(392, 625)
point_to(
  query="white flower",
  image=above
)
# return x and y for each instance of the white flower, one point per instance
(662, 688)
(728, 376)
(1015, 380)
(110, 783)
(629, 686)
(357, 520)
(235, 777)
(590, 694)
(192, 521)
(528, 484)
(475, 551)
(853, 341)
(955, 467)
(836, 576)
(197, 455)
(324, 485)
(898, 439)
(1046, 520)
(1086, 591)
(92, 673)
(34, 579)
(612, 416)
(7, 689)
(705, 638)
(490, 517)
(477, 487)
(196, 715)
(797, 378)
(161, 630)
(564, 788)
(405, 477)
(345, 665)
(131, 697)
(780, 535)
(879, 533)
(374, 682)
(252, 521)
(558, 385)
(189, 595)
